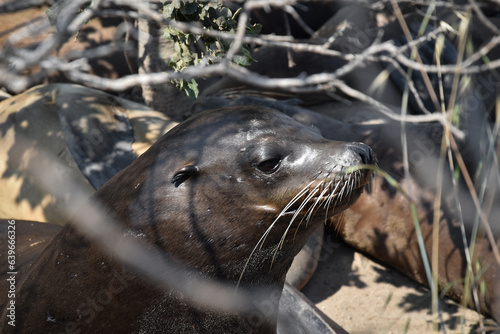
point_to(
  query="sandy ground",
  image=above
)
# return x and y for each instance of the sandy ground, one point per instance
(363, 296)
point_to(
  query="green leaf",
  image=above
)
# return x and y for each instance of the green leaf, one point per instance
(254, 29)
(242, 60)
(192, 90)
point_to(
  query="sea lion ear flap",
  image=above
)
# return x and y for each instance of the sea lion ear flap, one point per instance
(183, 174)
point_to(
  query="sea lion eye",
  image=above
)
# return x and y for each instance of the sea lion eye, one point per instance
(269, 166)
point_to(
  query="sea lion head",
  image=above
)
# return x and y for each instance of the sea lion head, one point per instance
(234, 184)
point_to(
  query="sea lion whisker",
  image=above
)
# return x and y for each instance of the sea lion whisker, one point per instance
(344, 186)
(292, 220)
(309, 212)
(340, 195)
(316, 206)
(326, 186)
(355, 182)
(293, 200)
(349, 191)
(297, 212)
(326, 189)
(330, 198)
(350, 185)
(262, 239)
(334, 192)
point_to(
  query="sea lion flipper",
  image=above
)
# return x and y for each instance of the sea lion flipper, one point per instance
(297, 314)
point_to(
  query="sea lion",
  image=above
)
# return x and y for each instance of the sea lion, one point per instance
(381, 224)
(231, 193)
(89, 133)
(93, 139)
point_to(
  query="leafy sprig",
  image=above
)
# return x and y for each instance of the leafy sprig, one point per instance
(190, 49)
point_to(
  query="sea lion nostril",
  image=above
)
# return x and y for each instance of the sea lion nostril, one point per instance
(364, 151)
(369, 157)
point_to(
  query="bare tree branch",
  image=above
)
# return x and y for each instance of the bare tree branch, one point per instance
(15, 62)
